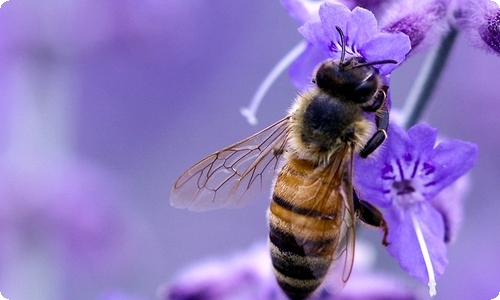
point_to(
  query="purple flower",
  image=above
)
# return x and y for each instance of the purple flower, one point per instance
(245, 276)
(306, 61)
(361, 33)
(424, 22)
(452, 211)
(250, 276)
(323, 42)
(480, 19)
(403, 179)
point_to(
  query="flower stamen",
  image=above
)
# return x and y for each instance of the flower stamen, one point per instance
(250, 111)
(425, 254)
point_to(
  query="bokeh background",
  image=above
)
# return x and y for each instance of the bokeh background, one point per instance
(103, 104)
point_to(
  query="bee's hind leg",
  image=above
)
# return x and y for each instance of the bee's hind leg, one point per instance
(370, 215)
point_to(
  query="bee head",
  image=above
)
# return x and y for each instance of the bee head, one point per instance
(353, 79)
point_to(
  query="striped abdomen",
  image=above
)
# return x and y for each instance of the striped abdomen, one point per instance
(305, 219)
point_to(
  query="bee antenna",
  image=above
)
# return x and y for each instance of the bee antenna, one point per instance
(342, 41)
(378, 62)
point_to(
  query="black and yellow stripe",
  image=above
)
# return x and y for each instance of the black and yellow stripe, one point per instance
(304, 226)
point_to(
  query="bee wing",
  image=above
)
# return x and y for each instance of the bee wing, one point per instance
(344, 256)
(342, 234)
(232, 176)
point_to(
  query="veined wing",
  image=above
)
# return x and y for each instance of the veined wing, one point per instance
(234, 175)
(344, 256)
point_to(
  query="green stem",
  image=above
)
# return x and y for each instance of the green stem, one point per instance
(424, 86)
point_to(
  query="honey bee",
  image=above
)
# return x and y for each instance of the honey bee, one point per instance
(314, 205)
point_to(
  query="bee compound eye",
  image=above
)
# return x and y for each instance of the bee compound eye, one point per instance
(322, 80)
(326, 77)
(365, 91)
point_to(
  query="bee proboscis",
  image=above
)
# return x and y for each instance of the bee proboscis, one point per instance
(310, 153)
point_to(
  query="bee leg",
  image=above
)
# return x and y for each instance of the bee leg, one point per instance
(377, 139)
(370, 215)
(378, 102)
(382, 120)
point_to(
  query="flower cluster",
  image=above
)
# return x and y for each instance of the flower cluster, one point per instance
(362, 36)
(249, 276)
(424, 23)
(480, 20)
(417, 183)
(409, 172)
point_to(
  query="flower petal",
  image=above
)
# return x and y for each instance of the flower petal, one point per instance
(361, 34)
(451, 159)
(370, 173)
(397, 143)
(362, 28)
(449, 203)
(334, 14)
(404, 246)
(386, 46)
(368, 181)
(303, 67)
(315, 34)
(424, 138)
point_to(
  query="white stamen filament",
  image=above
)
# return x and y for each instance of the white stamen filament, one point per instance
(425, 254)
(250, 111)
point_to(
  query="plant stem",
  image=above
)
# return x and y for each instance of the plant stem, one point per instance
(424, 86)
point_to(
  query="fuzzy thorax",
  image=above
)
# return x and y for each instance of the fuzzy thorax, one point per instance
(322, 125)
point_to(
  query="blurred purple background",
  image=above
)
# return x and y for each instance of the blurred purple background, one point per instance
(105, 103)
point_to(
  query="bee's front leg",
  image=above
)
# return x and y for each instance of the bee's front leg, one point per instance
(379, 106)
